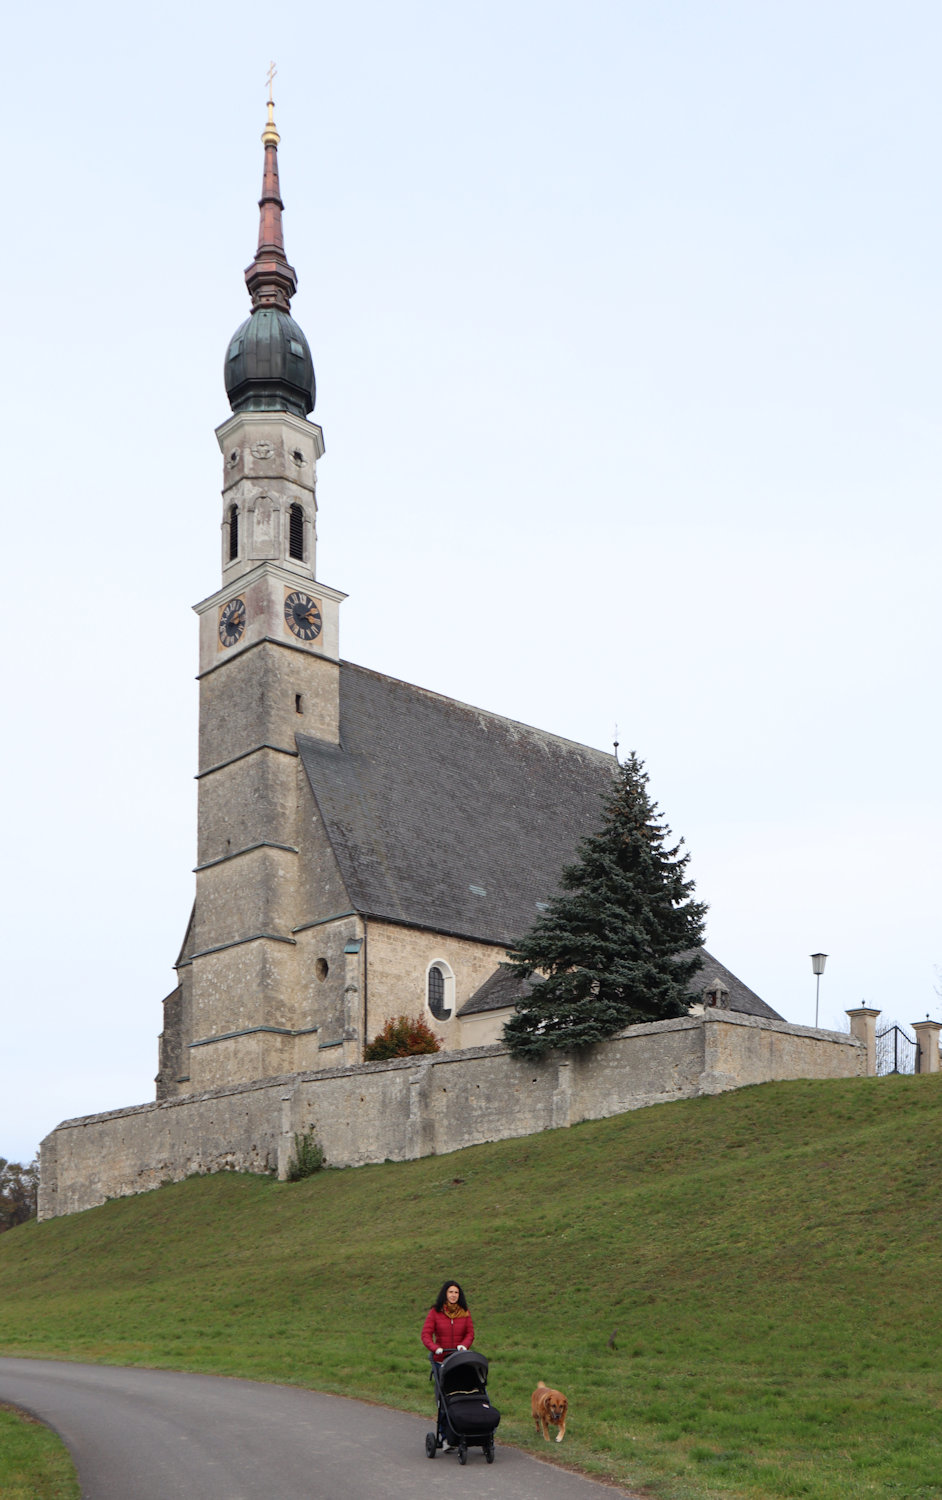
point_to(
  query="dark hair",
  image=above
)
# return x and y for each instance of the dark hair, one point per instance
(442, 1297)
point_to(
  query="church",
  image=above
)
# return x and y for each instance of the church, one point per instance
(366, 848)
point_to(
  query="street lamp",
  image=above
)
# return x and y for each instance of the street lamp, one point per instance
(818, 960)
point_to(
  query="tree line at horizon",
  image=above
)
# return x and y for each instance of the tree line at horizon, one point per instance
(19, 1188)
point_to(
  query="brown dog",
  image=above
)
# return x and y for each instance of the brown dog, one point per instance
(549, 1407)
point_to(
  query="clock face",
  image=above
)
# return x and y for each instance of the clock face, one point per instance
(303, 616)
(231, 622)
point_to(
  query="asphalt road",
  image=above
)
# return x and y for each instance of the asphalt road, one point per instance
(157, 1435)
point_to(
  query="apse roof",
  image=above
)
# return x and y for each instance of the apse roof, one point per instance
(504, 989)
(741, 997)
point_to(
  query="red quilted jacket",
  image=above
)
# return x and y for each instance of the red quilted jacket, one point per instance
(441, 1332)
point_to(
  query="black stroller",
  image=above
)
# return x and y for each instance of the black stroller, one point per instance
(466, 1418)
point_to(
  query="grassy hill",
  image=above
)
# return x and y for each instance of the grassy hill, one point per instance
(34, 1464)
(770, 1260)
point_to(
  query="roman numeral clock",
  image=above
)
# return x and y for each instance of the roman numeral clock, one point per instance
(231, 622)
(303, 616)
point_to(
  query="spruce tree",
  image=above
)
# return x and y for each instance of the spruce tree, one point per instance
(615, 947)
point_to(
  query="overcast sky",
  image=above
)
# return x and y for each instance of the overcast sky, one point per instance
(626, 323)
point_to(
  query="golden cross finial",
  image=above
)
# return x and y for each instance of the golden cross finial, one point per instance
(269, 134)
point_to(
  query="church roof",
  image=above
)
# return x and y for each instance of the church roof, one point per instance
(504, 989)
(446, 817)
(741, 997)
(500, 991)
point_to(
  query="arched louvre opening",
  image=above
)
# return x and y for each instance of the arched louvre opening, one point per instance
(296, 533)
(233, 532)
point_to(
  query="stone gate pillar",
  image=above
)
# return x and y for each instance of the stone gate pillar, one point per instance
(863, 1026)
(927, 1039)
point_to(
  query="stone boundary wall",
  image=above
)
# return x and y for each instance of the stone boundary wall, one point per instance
(424, 1106)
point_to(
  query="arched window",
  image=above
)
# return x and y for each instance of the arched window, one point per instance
(233, 532)
(296, 533)
(440, 991)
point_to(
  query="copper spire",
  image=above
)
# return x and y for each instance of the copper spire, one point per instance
(270, 279)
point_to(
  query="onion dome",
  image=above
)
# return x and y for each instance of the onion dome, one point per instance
(269, 365)
(268, 362)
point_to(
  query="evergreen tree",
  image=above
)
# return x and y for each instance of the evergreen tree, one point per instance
(615, 948)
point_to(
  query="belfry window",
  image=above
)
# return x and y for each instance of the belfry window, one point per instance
(441, 991)
(296, 533)
(233, 532)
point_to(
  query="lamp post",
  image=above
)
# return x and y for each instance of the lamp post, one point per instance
(818, 960)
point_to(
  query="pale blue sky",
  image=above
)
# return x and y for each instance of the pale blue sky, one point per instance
(626, 322)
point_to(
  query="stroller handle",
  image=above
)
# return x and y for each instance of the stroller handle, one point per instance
(468, 1356)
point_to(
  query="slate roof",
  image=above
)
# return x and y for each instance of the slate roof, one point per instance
(446, 817)
(503, 989)
(741, 997)
(499, 991)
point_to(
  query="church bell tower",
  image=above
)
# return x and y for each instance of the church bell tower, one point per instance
(268, 669)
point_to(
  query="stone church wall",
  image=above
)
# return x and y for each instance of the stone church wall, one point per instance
(424, 1106)
(398, 962)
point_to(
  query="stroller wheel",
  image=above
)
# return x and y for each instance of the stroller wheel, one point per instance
(463, 1453)
(431, 1444)
(489, 1452)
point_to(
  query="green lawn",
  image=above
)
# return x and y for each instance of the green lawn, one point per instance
(34, 1465)
(770, 1260)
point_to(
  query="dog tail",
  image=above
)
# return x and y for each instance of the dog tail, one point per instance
(542, 1386)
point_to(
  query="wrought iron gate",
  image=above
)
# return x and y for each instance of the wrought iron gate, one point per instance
(896, 1051)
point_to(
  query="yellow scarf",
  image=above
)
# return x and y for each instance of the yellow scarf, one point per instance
(459, 1312)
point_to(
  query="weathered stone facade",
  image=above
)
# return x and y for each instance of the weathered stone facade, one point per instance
(398, 961)
(425, 1106)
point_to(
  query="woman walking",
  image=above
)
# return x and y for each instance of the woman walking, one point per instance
(448, 1326)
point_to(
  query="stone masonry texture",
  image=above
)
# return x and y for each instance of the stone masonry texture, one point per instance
(425, 1106)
